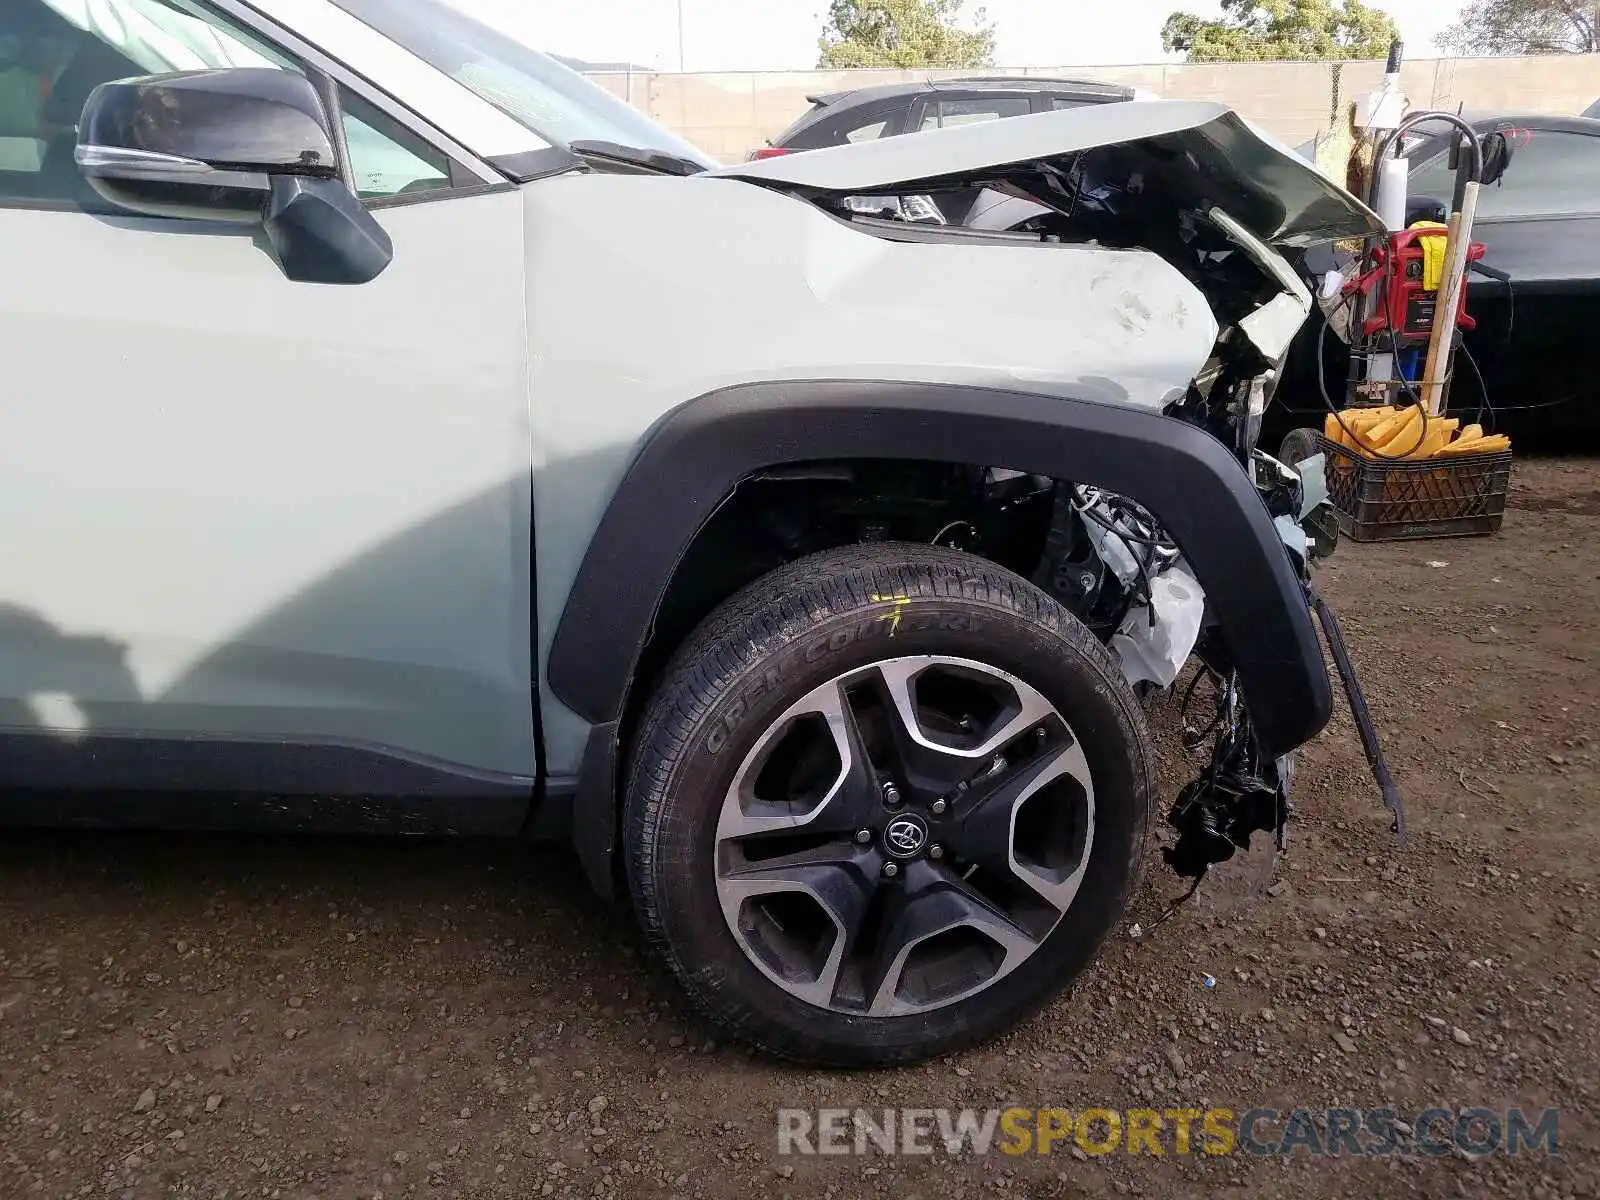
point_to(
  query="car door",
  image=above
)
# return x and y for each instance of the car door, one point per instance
(260, 535)
(1541, 225)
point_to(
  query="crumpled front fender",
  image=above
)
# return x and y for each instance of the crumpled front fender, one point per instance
(1192, 484)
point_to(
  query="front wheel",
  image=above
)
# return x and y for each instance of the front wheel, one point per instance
(886, 802)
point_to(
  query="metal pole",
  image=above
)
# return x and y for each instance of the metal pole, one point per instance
(681, 66)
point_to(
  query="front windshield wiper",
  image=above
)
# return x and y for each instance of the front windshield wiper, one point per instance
(637, 156)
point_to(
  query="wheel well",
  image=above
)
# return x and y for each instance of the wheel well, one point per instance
(688, 527)
(776, 516)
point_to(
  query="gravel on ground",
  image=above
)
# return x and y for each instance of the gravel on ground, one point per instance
(230, 1017)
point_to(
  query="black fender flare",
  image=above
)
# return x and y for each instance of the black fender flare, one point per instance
(695, 455)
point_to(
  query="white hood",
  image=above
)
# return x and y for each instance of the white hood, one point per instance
(1200, 147)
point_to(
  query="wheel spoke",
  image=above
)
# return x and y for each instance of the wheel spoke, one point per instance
(985, 831)
(840, 878)
(932, 903)
(935, 765)
(858, 798)
(847, 802)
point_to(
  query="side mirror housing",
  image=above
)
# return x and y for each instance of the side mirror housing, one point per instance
(245, 145)
(202, 144)
(1497, 152)
(1426, 208)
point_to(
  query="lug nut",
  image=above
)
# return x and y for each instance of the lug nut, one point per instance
(938, 807)
(863, 836)
(891, 795)
(936, 851)
(891, 869)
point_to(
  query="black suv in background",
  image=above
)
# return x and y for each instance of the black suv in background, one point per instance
(890, 109)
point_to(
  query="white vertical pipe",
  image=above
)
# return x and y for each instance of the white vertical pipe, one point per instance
(1393, 177)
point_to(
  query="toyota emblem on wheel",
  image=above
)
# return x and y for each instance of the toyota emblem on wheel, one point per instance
(905, 836)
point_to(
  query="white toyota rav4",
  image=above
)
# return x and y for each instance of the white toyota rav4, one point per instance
(402, 432)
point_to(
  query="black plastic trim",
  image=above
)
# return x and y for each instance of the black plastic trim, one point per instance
(501, 817)
(550, 819)
(536, 164)
(328, 88)
(123, 763)
(435, 195)
(695, 456)
(594, 809)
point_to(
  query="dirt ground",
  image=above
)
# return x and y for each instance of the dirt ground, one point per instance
(231, 1017)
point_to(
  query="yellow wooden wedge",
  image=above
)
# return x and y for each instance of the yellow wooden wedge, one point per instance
(1404, 434)
(1360, 418)
(1486, 445)
(1376, 435)
(1435, 441)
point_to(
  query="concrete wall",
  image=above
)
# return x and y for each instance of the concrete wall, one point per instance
(729, 114)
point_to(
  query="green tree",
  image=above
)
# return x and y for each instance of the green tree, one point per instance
(1525, 27)
(903, 33)
(1269, 30)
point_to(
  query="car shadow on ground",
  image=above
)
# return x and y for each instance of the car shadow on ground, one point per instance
(186, 874)
(181, 919)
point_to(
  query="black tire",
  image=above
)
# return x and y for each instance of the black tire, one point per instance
(1297, 446)
(791, 631)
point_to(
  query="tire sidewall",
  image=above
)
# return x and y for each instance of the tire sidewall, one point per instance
(1082, 683)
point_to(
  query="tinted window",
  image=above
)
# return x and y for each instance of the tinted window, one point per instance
(860, 123)
(1068, 102)
(1551, 173)
(386, 158)
(867, 133)
(937, 114)
(525, 84)
(53, 54)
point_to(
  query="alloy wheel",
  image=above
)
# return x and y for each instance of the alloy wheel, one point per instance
(904, 836)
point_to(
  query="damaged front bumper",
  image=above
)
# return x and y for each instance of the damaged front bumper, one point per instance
(1184, 562)
(1241, 791)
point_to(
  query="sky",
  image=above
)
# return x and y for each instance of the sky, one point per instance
(779, 35)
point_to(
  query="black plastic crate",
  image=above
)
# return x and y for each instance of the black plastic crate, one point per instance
(1380, 500)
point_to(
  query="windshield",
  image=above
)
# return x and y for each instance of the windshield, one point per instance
(531, 87)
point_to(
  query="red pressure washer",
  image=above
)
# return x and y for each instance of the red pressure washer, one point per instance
(1409, 305)
(1393, 310)
(1401, 307)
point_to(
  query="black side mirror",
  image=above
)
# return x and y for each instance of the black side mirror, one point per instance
(247, 145)
(1426, 208)
(1497, 152)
